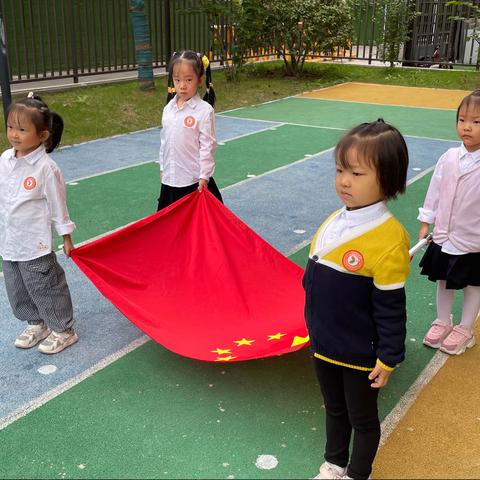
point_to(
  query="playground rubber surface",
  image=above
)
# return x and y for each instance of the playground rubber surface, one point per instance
(118, 405)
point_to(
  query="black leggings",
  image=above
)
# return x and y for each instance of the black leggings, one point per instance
(350, 403)
(169, 195)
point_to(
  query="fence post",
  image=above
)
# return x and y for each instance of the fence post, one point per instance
(4, 72)
(73, 40)
(168, 33)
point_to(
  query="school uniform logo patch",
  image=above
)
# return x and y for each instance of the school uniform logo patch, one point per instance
(29, 183)
(352, 260)
(189, 121)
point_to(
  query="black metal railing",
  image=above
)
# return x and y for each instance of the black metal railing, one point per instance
(48, 39)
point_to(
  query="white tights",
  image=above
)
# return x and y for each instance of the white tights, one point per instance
(470, 309)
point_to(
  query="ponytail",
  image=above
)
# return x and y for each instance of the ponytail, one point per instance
(42, 117)
(209, 96)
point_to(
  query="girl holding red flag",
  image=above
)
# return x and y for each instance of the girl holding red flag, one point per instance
(32, 200)
(452, 205)
(188, 138)
(355, 299)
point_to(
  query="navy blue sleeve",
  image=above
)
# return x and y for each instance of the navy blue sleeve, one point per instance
(390, 317)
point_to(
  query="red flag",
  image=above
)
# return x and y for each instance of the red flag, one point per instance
(199, 281)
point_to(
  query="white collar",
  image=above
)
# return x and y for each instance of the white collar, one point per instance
(355, 218)
(464, 152)
(191, 102)
(32, 157)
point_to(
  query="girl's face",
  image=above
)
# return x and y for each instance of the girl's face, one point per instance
(468, 127)
(357, 185)
(23, 136)
(185, 81)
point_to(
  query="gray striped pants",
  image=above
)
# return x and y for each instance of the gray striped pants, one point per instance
(37, 291)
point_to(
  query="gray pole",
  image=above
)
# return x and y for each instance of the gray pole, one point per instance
(4, 74)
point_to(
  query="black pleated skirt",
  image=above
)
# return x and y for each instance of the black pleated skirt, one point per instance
(459, 271)
(169, 195)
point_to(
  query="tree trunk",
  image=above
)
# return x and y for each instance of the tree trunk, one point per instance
(143, 48)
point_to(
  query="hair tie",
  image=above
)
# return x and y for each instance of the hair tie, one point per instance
(205, 61)
(380, 120)
(171, 89)
(30, 95)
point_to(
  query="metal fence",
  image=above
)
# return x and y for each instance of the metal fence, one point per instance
(48, 39)
(71, 38)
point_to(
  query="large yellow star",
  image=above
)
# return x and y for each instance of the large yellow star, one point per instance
(277, 336)
(225, 359)
(221, 351)
(244, 341)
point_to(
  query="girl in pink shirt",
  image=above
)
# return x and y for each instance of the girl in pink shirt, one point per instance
(452, 259)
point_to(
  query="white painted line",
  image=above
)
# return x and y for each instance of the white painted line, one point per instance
(113, 170)
(106, 172)
(344, 129)
(38, 402)
(379, 104)
(401, 408)
(299, 246)
(420, 175)
(278, 169)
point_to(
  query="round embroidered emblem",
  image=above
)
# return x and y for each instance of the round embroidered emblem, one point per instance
(29, 183)
(352, 260)
(189, 121)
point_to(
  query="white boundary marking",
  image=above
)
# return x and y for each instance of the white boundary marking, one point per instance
(406, 401)
(106, 172)
(375, 103)
(283, 167)
(38, 402)
(344, 129)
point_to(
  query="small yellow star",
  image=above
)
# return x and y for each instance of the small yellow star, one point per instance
(277, 336)
(299, 341)
(244, 341)
(221, 351)
(225, 359)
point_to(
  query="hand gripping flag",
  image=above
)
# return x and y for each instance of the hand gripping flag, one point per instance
(200, 282)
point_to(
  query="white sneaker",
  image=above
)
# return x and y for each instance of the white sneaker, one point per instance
(32, 335)
(331, 471)
(58, 341)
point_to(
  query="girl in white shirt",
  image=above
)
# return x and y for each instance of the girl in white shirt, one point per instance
(188, 138)
(452, 259)
(32, 201)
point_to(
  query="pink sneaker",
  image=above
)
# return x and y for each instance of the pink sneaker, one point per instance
(437, 333)
(458, 341)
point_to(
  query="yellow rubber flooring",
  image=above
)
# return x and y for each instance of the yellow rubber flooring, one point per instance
(439, 437)
(391, 95)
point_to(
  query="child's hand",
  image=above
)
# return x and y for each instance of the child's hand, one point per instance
(423, 232)
(202, 183)
(379, 376)
(67, 245)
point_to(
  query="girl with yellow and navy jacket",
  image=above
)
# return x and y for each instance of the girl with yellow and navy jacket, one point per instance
(355, 305)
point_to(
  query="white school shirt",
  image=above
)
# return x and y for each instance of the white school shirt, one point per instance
(32, 200)
(187, 142)
(467, 162)
(347, 220)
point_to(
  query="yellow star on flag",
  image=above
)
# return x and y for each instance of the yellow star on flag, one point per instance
(225, 359)
(299, 340)
(244, 341)
(221, 351)
(277, 336)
